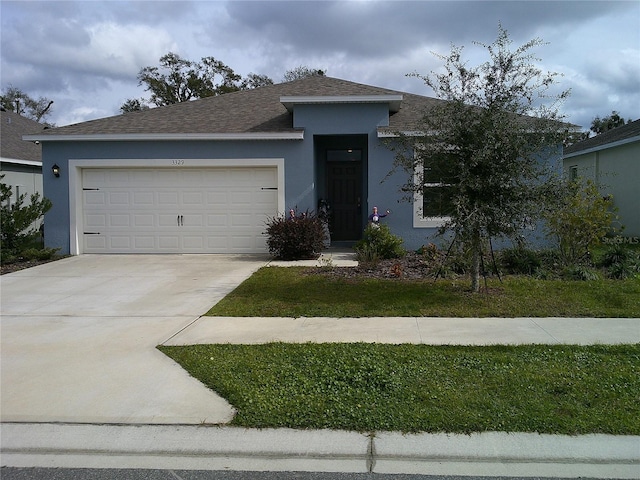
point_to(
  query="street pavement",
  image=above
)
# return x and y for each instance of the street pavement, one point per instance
(84, 386)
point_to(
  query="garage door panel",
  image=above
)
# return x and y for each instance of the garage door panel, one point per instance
(95, 242)
(97, 220)
(200, 210)
(143, 198)
(94, 197)
(193, 242)
(168, 220)
(120, 220)
(266, 177)
(216, 198)
(120, 243)
(195, 199)
(145, 220)
(241, 198)
(119, 199)
(193, 221)
(168, 242)
(240, 220)
(220, 220)
(168, 198)
(216, 178)
(266, 198)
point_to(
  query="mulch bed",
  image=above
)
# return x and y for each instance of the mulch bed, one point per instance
(23, 264)
(411, 267)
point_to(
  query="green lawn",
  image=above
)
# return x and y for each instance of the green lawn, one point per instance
(293, 292)
(420, 388)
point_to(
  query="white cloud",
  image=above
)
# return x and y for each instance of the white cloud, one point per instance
(86, 55)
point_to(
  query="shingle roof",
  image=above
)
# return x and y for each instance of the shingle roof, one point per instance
(12, 128)
(626, 132)
(247, 111)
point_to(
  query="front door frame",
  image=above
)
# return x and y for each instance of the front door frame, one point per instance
(334, 144)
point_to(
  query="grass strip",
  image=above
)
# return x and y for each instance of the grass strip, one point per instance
(564, 389)
(293, 292)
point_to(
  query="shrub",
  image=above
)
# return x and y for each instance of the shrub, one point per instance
(366, 253)
(39, 253)
(18, 219)
(298, 238)
(429, 252)
(620, 261)
(580, 272)
(379, 242)
(520, 260)
(579, 219)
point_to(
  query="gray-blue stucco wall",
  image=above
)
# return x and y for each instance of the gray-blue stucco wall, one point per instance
(301, 190)
(298, 177)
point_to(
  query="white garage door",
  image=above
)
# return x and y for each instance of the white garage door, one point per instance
(177, 210)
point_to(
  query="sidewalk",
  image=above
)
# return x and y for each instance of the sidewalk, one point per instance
(427, 330)
(182, 447)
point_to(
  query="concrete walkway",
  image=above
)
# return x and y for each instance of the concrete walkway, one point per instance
(83, 385)
(427, 330)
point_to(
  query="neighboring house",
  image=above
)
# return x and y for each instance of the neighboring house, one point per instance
(204, 176)
(612, 160)
(20, 161)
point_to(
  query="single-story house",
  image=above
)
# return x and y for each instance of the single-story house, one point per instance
(204, 176)
(20, 161)
(612, 160)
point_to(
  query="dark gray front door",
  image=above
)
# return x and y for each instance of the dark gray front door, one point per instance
(344, 192)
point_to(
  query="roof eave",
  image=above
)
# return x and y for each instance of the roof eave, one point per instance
(393, 101)
(604, 146)
(128, 137)
(20, 161)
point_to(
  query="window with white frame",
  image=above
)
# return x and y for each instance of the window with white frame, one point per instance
(433, 204)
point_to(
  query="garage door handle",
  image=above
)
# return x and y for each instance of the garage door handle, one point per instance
(180, 220)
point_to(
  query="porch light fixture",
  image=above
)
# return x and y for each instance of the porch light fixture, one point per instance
(56, 170)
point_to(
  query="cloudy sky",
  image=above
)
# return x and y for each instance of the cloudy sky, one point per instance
(85, 55)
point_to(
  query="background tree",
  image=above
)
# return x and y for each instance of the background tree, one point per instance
(302, 72)
(134, 105)
(600, 125)
(488, 145)
(178, 80)
(578, 218)
(18, 218)
(254, 80)
(15, 100)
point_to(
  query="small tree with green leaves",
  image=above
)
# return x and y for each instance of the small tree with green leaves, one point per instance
(18, 218)
(485, 149)
(579, 219)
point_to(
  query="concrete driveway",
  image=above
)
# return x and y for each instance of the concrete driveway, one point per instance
(78, 338)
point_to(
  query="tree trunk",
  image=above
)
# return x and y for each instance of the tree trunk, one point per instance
(475, 262)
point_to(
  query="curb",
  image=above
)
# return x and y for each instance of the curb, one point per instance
(207, 447)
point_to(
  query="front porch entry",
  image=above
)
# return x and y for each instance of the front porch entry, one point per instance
(341, 167)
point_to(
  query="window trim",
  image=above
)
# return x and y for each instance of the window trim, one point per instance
(419, 220)
(573, 173)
